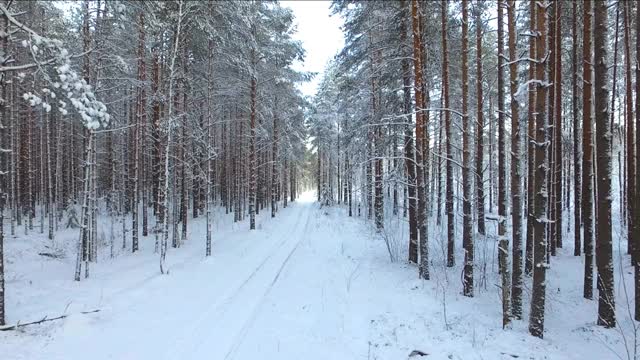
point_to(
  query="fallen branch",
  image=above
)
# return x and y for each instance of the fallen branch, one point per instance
(418, 353)
(512, 355)
(51, 255)
(44, 319)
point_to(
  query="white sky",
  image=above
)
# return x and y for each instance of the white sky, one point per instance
(320, 35)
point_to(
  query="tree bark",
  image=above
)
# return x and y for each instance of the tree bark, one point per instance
(636, 155)
(409, 148)
(587, 152)
(557, 128)
(531, 172)
(449, 153)
(423, 268)
(503, 241)
(516, 170)
(252, 148)
(480, 125)
(604, 254)
(467, 232)
(577, 193)
(536, 319)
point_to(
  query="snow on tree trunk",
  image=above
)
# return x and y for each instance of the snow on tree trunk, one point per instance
(577, 192)
(479, 125)
(516, 169)
(587, 152)
(636, 153)
(467, 227)
(448, 134)
(410, 168)
(503, 241)
(421, 147)
(538, 294)
(604, 139)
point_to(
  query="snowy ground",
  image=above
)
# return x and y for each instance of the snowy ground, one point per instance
(311, 284)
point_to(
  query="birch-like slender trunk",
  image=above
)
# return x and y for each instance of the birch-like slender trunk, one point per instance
(209, 143)
(167, 147)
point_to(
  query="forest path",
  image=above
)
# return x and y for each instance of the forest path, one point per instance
(284, 291)
(310, 284)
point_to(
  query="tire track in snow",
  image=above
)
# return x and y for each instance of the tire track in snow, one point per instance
(247, 324)
(210, 318)
(178, 265)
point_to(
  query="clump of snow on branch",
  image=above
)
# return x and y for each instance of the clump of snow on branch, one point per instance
(93, 113)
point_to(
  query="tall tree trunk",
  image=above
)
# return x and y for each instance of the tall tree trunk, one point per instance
(156, 134)
(4, 113)
(557, 128)
(632, 235)
(449, 153)
(167, 146)
(408, 147)
(577, 249)
(185, 178)
(516, 169)
(421, 126)
(587, 152)
(636, 155)
(252, 148)
(503, 241)
(604, 139)
(140, 120)
(274, 160)
(83, 246)
(209, 144)
(551, 209)
(377, 140)
(480, 124)
(467, 232)
(536, 320)
(531, 125)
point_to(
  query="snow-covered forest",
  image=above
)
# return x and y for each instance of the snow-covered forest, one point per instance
(462, 185)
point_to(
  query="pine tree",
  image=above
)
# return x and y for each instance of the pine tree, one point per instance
(538, 295)
(604, 255)
(503, 242)
(139, 124)
(421, 147)
(410, 167)
(448, 134)
(516, 175)
(636, 154)
(557, 128)
(252, 142)
(587, 152)
(577, 249)
(209, 144)
(531, 132)
(630, 132)
(479, 123)
(4, 96)
(467, 233)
